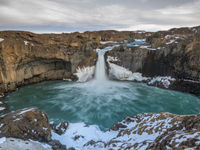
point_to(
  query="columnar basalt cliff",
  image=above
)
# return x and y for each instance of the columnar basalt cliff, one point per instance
(27, 58)
(174, 53)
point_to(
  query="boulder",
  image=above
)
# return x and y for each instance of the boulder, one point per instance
(28, 123)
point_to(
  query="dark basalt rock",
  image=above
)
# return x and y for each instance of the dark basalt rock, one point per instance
(179, 59)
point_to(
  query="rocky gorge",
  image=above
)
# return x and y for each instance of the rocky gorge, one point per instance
(167, 59)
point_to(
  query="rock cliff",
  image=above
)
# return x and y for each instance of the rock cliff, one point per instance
(174, 53)
(27, 58)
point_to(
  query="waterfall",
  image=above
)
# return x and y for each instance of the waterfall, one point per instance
(100, 73)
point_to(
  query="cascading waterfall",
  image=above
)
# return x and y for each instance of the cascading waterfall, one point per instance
(100, 73)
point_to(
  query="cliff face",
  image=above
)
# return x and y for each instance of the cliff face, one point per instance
(174, 53)
(29, 58)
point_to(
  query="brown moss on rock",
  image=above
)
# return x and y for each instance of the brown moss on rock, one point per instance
(28, 123)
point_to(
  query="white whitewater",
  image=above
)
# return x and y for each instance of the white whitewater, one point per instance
(100, 72)
(101, 85)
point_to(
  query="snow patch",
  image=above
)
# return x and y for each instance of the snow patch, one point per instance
(2, 95)
(2, 108)
(148, 47)
(78, 134)
(166, 81)
(84, 74)
(140, 40)
(107, 42)
(170, 42)
(26, 42)
(1, 39)
(122, 73)
(19, 144)
(139, 132)
(25, 110)
(113, 59)
(2, 140)
(168, 36)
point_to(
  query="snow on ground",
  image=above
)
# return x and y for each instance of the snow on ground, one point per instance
(2, 140)
(1, 39)
(26, 42)
(18, 144)
(170, 42)
(2, 108)
(140, 40)
(168, 36)
(148, 47)
(122, 73)
(2, 95)
(84, 74)
(113, 59)
(107, 42)
(166, 81)
(78, 134)
(137, 132)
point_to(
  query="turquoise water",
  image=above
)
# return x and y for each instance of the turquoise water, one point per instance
(100, 103)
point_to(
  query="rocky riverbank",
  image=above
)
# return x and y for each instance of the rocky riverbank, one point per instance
(30, 127)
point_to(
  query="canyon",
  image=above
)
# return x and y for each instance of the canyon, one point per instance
(166, 59)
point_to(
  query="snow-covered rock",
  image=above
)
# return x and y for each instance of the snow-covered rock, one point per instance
(26, 42)
(148, 47)
(84, 74)
(166, 81)
(139, 133)
(107, 42)
(2, 108)
(1, 39)
(121, 73)
(19, 144)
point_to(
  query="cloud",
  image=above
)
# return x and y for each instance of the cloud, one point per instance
(81, 15)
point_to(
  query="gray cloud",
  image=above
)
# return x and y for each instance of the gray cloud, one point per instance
(73, 15)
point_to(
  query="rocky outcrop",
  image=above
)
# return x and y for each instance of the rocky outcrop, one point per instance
(150, 131)
(29, 126)
(158, 131)
(174, 53)
(28, 123)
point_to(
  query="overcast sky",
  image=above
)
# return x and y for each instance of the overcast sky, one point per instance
(82, 15)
